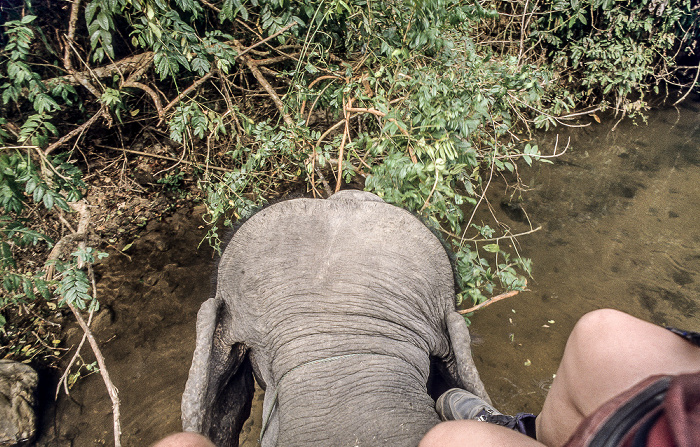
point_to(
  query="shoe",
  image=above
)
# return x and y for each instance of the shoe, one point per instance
(456, 403)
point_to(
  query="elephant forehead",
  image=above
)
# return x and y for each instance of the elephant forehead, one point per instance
(307, 264)
(324, 250)
(310, 233)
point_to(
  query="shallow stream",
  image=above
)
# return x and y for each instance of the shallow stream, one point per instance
(619, 214)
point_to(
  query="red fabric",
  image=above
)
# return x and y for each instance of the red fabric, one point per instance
(678, 425)
(660, 434)
(682, 405)
(588, 428)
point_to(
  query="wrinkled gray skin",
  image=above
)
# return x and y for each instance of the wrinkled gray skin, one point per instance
(338, 307)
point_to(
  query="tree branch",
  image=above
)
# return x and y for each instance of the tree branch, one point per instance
(250, 63)
(82, 231)
(187, 91)
(78, 130)
(150, 92)
(490, 301)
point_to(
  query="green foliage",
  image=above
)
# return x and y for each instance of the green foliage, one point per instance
(37, 186)
(606, 49)
(428, 100)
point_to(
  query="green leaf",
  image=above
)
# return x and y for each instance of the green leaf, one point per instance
(103, 21)
(492, 248)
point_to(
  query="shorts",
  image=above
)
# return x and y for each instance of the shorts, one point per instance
(659, 411)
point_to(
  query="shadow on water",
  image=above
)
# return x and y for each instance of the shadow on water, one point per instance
(620, 226)
(619, 215)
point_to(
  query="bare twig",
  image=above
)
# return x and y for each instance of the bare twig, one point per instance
(489, 301)
(77, 131)
(83, 224)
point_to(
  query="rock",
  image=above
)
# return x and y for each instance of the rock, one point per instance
(18, 384)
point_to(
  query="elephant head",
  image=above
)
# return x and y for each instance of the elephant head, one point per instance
(340, 308)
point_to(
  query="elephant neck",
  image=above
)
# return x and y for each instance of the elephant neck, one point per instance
(358, 398)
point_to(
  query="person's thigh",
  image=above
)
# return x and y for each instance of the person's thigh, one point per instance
(469, 433)
(608, 352)
(184, 439)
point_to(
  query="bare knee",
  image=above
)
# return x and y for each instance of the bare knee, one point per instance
(474, 434)
(437, 435)
(184, 439)
(596, 332)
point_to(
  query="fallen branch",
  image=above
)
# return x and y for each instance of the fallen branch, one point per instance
(78, 130)
(82, 231)
(489, 301)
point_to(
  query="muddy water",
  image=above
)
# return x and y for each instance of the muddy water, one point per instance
(619, 216)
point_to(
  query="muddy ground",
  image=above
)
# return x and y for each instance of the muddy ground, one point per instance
(150, 295)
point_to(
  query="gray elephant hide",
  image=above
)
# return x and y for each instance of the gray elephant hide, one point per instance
(341, 308)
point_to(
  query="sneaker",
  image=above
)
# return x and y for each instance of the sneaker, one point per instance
(457, 404)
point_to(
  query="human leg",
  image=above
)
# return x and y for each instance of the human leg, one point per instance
(184, 439)
(608, 352)
(474, 434)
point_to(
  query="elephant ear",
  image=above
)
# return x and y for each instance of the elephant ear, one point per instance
(463, 369)
(219, 390)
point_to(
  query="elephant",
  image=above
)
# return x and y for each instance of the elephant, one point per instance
(343, 310)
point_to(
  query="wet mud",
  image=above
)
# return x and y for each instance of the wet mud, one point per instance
(150, 295)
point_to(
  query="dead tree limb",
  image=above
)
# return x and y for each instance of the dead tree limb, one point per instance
(250, 63)
(81, 233)
(78, 130)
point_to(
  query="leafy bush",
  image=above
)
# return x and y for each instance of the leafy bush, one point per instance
(608, 52)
